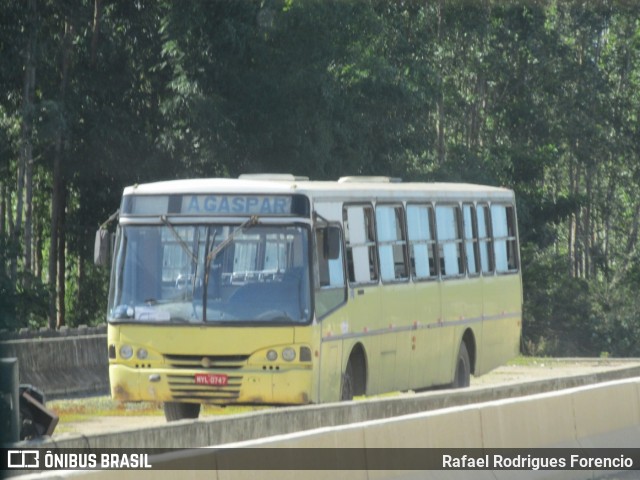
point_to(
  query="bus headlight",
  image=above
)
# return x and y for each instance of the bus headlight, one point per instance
(288, 354)
(142, 354)
(272, 355)
(126, 352)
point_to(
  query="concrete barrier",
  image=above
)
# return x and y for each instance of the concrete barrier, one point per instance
(606, 414)
(608, 417)
(62, 366)
(234, 428)
(536, 421)
(603, 415)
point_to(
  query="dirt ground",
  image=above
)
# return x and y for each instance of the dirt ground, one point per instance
(101, 421)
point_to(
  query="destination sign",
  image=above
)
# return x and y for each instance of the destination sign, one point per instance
(215, 204)
(236, 204)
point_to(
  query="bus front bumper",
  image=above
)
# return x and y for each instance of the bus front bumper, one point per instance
(246, 386)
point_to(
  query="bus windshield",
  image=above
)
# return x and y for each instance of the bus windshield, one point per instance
(176, 273)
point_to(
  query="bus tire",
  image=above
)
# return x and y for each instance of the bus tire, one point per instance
(462, 377)
(347, 390)
(354, 379)
(178, 410)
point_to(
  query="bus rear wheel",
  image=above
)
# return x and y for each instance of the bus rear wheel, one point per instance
(178, 410)
(347, 384)
(463, 368)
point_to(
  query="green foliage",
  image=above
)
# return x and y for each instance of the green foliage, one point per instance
(8, 295)
(23, 303)
(568, 316)
(86, 302)
(557, 307)
(539, 96)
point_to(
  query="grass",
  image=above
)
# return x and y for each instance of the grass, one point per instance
(522, 361)
(88, 408)
(525, 361)
(80, 410)
(85, 409)
(105, 406)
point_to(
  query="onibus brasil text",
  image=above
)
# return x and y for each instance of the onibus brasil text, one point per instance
(58, 460)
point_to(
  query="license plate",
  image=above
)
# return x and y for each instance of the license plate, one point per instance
(211, 379)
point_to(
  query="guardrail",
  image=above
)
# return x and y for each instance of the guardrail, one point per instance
(46, 332)
(67, 364)
(234, 428)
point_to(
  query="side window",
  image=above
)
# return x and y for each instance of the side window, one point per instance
(361, 244)
(330, 291)
(422, 242)
(484, 238)
(470, 238)
(503, 223)
(391, 242)
(449, 240)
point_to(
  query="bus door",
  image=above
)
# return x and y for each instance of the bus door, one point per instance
(364, 313)
(330, 295)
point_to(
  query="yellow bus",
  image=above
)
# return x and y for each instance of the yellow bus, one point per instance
(273, 289)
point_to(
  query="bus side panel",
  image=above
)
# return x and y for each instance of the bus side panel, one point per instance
(330, 331)
(330, 371)
(310, 335)
(358, 318)
(461, 309)
(503, 322)
(364, 318)
(427, 338)
(395, 345)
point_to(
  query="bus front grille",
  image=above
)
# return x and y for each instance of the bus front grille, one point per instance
(184, 387)
(213, 362)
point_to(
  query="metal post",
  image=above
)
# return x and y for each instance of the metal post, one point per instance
(9, 401)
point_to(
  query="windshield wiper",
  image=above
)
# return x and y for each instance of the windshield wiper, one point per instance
(214, 252)
(182, 243)
(249, 223)
(186, 248)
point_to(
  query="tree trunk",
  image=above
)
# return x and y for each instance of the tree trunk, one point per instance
(97, 14)
(28, 219)
(57, 200)
(25, 165)
(3, 209)
(440, 120)
(571, 231)
(37, 256)
(55, 228)
(62, 259)
(81, 280)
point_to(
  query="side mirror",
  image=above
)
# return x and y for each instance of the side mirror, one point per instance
(101, 248)
(332, 243)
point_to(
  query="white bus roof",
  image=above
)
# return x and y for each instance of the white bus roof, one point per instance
(348, 189)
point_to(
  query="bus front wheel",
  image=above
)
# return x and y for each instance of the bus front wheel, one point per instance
(463, 368)
(178, 411)
(354, 378)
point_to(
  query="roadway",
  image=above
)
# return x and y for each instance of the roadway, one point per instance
(99, 415)
(575, 405)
